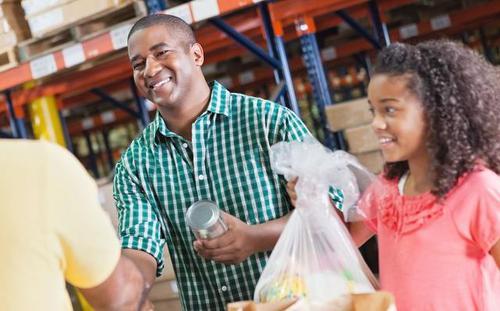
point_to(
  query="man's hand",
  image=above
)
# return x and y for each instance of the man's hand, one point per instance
(290, 189)
(233, 247)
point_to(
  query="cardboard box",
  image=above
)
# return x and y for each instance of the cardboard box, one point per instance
(168, 305)
(164, 290)
(66, 14)
(378, 301)
(361, 139)
(13, 24)
(33, 7)
(168, 270)
(373, 161)
(9, 39)
(348, 114)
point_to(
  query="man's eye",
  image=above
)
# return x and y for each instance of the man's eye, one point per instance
(162, 53)
(138, 66)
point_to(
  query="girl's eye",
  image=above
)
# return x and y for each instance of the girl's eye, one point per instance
(372, 110)
(390, 110)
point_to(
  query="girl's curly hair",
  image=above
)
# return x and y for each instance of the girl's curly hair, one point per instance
(460, 92)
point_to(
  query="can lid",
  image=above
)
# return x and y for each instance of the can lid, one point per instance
(202, 214)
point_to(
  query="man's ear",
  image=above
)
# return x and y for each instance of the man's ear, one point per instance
(198, 54)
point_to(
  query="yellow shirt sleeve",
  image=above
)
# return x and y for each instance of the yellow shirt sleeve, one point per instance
(90, 247)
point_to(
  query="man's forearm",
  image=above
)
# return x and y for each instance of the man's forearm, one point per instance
(145, 263)
(267, 234)
(122, 290)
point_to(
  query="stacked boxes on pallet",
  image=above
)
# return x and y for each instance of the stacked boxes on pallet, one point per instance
(354, 118)
(13, 29)
(164, 294)
(46, 16)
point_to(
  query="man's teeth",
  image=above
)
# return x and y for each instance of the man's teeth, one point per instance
(159, 84)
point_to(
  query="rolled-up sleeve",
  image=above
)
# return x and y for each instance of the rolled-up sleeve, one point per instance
(138, 223)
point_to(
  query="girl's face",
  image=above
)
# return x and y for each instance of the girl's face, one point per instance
(398, 118)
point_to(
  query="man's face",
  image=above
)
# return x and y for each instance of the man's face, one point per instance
(163, 65)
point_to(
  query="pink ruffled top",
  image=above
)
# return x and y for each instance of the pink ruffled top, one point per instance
(403, 214)
(434, 255)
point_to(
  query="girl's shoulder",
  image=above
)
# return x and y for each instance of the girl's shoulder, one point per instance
(481, 180)
(475, 207)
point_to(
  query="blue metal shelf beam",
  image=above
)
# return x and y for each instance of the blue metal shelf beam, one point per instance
(141, 105)
(118, 104)
(380, 28)
(359, 28)
(155, 6)
(17, 124)
(276, 57)
(247, 43)
(321, 93)
(67, 137)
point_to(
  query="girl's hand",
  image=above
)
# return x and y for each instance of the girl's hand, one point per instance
(290, 189)
(495, 252)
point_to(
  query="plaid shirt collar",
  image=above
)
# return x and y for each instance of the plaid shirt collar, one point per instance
(215, 105)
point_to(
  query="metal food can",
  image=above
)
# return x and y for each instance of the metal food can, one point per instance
(204, 218)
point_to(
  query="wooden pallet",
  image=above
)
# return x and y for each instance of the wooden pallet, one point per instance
(35, 47)
(105, 20)
(80, 30)
(8, 58)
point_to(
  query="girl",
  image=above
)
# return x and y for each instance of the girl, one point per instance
(436, 207)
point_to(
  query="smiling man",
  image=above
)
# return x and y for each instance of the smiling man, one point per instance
(205, 143)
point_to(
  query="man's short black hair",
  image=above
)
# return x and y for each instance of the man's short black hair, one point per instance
(173, 24)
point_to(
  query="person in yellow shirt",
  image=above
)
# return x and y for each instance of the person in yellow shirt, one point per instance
(53, 230)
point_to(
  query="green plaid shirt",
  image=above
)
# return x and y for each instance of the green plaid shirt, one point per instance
(161, 174)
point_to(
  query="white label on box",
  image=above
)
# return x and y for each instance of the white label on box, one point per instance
(329, 53)
(182, 11)
(246, 77)
(65, 113)
(108, 117)
(73, 55)
(226, 81)
(440, 22)
(43, 66)
(40, 23)
(34, 6)
(87, 123)
(173, 285)
(119, 36)
(408, 31)
(204, 9)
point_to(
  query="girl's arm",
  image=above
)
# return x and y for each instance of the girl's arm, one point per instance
(495, 252)
(360, 232)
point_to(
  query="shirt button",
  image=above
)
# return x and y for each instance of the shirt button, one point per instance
(224, 288)
(201, 177)
(184, 145)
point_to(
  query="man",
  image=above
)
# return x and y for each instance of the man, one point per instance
(52, 229)
(205, 143)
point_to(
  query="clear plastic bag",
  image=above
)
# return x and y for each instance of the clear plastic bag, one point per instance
(315, 257)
